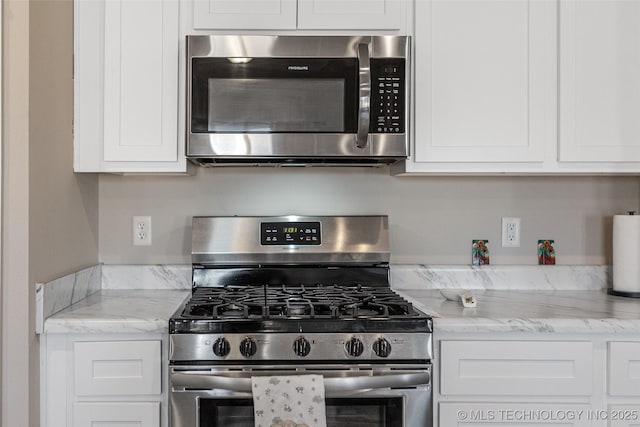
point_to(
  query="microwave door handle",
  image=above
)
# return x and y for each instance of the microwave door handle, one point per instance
(331, 385)
(364, 95)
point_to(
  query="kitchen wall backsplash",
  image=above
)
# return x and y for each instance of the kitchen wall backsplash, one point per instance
(146, 276)
(506, 277)
(58, 294)
(432, 219)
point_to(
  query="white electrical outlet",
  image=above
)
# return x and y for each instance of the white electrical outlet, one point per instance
(510, 232)
(141, 230)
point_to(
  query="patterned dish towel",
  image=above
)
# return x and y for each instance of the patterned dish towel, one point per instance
(289, 401)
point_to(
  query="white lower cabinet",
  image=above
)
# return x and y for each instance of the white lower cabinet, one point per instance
(103, 380)
(524, 368)
(101, 414)
(624, 369)
(624, 415)
(536, 379)
(116, 368)
(524, 414)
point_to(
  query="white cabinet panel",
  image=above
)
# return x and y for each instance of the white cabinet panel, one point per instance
(116, 414)
(350, 14)
(599, 80)
(624, 415)
(244, 14)
(527, 368)
(521, 414)
(300, 14)
(624, 368)
(88, 84)
(117, 368)
(126, 69)
(141, 80)
(484, 80)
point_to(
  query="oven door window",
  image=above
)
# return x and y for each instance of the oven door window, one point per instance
(344, 412)
(274, 95)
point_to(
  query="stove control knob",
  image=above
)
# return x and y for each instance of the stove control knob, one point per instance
(221, 347)
(354, 347)
(301, 346)
(382, 348)
(248, 347)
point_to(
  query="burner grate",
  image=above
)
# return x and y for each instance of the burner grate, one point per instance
(297, 302)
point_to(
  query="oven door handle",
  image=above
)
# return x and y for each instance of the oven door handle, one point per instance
(364, 95)
(331, 385)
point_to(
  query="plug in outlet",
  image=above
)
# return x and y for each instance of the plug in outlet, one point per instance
(510, 232)
(141, 230)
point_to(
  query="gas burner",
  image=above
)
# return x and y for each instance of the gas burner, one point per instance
(365, 310)
(297, 302)
(231, 310)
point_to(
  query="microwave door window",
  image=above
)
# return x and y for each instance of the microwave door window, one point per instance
(276, 105)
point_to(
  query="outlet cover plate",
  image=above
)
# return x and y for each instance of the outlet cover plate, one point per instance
(510, 232)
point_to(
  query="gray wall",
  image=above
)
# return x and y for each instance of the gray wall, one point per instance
(432, 219)
(50, 215)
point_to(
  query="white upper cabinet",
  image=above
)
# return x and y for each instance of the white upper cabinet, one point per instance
(244, 14)
(351, 14)
(126, 86)
(484, 81)
(599, 80)
(299, 14)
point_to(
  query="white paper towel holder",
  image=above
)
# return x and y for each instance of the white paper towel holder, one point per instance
(628, 294)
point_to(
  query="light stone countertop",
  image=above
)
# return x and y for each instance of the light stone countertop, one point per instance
(543, 311)
(510, 299)
(575, 311)
(119, 311)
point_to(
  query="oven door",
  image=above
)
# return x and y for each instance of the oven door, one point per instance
(362, 397)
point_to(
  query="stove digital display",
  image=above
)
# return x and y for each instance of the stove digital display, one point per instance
(290, 233)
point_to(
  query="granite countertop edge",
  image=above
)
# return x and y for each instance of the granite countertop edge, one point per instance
(119, 311)
(531, 311)
(521, 311)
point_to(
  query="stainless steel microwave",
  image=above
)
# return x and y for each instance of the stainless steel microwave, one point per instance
(297, 100)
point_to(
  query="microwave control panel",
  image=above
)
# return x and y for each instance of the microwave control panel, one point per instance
(388, 89)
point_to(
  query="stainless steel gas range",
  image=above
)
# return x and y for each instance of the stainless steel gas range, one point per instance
(296, 295)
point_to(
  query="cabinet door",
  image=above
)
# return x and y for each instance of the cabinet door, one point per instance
(351, 14)
(141, 80)
(516, 368)
(116, 414)
(599, 80)
(624, 415)
(484, 80)
(624, 368)
(126, 87)
(117, 368)
(244, 14)
(510, 414)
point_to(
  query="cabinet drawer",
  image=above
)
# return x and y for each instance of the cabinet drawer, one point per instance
(624, 368)
(123, 414)
(526, 368)
(624, 415)
(117, 368)
(513, 414)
